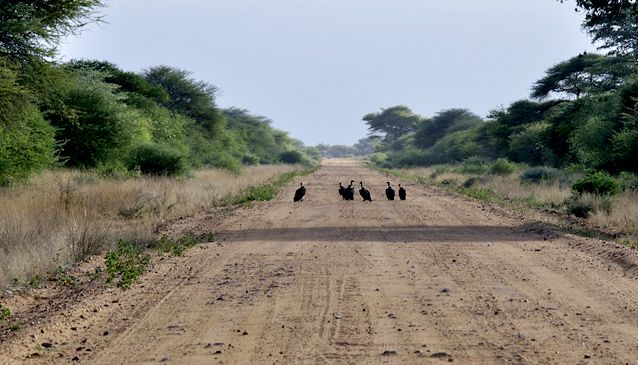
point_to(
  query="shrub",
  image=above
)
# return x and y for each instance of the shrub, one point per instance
(579, 207)
(470, 182)
(156, 159)
(502, 167)
(291, 157)
(599, 182)
(582, 205)
(27, 142)
(629, 181)
(4, 313)
(126, 264)
(537, 174)
(474, 165)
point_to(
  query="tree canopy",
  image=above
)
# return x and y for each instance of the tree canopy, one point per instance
(444, 122)
(393, 122)
(33, 28)
(613, 23)
(587, 73)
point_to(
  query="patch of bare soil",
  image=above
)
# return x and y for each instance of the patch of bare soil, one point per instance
(433, 279)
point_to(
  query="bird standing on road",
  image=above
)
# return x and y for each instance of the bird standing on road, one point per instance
(365, 194)
(348, 193)
(402, 192)
(299, 193)
(389, 192)
(342, 191)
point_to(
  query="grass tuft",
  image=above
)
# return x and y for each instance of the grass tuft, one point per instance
(177, 247)
(125, 264)
(4, 313)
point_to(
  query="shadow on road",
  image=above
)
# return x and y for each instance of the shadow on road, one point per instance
(385, 234)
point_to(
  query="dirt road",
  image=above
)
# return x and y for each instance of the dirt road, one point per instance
(433, 279)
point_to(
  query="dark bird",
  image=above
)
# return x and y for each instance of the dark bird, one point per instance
(299, 193)
(365, 194)
(348, 193)
(389, 192)
(342, 191)
(401, 192)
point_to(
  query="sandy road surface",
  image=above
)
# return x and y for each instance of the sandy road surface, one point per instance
(434, 279)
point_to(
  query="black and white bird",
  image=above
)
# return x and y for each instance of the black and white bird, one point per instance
(342, 190)
(389, 192)
(348, 193)
(401, 192)
(299, 193)
(365, 194)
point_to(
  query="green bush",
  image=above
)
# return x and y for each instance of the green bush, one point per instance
(628, 181)
(538, 174)
(291, 157)
(474, 165)
(156, 159)
(126, 264)
(27, 141)
(4, 313)
(579, 207)
(502, 167)
(599, 182)
(470, 182)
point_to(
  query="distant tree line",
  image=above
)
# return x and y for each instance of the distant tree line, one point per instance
(363, 147)
(92, 114)
(583, 112)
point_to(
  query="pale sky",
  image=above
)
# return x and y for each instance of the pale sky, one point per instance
(315, 67)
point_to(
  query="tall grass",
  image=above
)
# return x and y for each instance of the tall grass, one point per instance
(619, 213)
(63, 216)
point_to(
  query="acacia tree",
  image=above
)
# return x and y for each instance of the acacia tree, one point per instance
(195, 99)
(613, 23)
(392, 123)
(33, 28)
(443, 123)
(586, 73)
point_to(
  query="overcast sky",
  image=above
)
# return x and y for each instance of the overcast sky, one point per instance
(315, 67)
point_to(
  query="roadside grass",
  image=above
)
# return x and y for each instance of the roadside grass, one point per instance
(4, 313)
(126, 264)
(541, 188)
(177, 247)
(61, 217)
(266, 191)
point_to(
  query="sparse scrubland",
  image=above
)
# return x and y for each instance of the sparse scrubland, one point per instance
(614, 210)
(91, 154)
(63, 216)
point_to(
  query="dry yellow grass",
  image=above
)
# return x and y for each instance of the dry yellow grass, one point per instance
(64, 215)
(623, 214)
(618, 213)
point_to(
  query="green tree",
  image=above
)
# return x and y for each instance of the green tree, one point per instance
(584, 74)
(612, 23)
(33, 28)
(513, 119)
(195, 99)
(27, 141)
(392, 123)
(444, 123)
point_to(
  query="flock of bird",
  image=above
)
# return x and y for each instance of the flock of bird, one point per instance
(347, 192)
